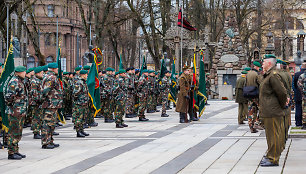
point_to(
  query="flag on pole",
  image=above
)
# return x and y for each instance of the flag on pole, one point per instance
(5, 77)
(202, 96)
(144, 65)
(185, 24)
(163, 69)
(194, 78)
(172, 94)
(60, 113)
(93, 84)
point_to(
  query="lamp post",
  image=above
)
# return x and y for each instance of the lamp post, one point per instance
(8, 2)
(301, 36)
(270, 46)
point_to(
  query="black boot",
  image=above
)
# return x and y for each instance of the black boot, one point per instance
(304, 126)
(49, 146)
(55, 145)
(119, 125)
(84, 133)
(182, 117)
(143, 119)
(22, 156)
(37, 136)
(79, 134)
(124, 125)
(164, 115)
(14, 157)
(128, 115)
(93, 124)
(55, 133)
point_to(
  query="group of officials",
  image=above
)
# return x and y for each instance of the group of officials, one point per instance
(34, 97)
(264, 96)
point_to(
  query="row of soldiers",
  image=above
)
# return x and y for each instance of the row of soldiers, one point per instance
(35, 97)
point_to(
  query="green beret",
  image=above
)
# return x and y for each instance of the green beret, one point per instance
(256, 64)
(281, 62)
(145, 71)
(38, 69)
(247, 69)
(151, 71)
(244, 72)
(86, 67)
(65, 73)
(77, 68)
(53, 65)
(29, 70)
(1, 64)
(20, 69)
(207, 74)
(269, 56)
(180, 73)
(45, 68)
(83, 72)
(121, 71)
(116, 73)
(109, 69)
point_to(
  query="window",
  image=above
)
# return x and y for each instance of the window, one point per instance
(299, 25)
(278, 46)
(50, 11)
(63, 62)
(47, 39)
(30, 62)
(49, 59)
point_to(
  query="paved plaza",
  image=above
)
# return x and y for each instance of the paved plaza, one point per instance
(214, 145)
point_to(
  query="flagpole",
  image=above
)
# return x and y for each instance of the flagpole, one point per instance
(182, 18)
(7, 27)
(57, 36)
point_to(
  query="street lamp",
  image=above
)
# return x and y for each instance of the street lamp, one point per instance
(301, 36)
(270, 47)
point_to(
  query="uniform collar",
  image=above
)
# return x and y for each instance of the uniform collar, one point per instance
(269, 71)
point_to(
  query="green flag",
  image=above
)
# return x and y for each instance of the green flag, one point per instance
(6, 75)
(60, 112)
(172, 94)
(144, 65)
(163, 69)
(120, 65)
(93, 84)
(202, 88)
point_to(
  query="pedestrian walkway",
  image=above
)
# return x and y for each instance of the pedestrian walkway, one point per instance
(215, 144)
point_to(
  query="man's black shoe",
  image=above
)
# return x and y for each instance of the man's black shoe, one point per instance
(48, 146)
(143, 119)
(22, 156)
(119, 126)
(168, 108)
(79, 134)
(268, 164)
(55, 145)
(164, 115)
(157, 110)
(67, 118)
(59, 124)
(84, 133)
(264, 160)
(129, 116)
(150, 111)
(14, 157)
(195, 119)
(1, 146)
(94, 124)
(304, 126)
(99, 116)
(55, 133)
(37, 136)
(124, 125)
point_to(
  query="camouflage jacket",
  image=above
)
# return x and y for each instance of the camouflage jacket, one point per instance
(142, 86)
(35, 92)
(80, 93)
(103, 93)
(120, 88)
(67, 88)
(27, 84)
(165, 84)
(108, 81)
(16, 97)
(51, 92)
(151, 84)
(131, 81)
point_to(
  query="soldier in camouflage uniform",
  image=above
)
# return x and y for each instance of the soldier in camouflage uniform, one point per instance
(151, 93)
(302, 87)
(27, 82)
(36, 101)
(120, 91)
(81, 100)
(165, 89)
(16, 101)
(103, 94)
(143, 89)
(108, 82)
(136, 99)
(52, 100)
(75, 78)
(66, 95)
(130, 102)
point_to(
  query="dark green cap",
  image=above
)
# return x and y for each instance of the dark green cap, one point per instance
(121, 71)
(109, 69)
(52, 65)
(83, 72)
(269, 56)
(86, 67)
(116, 73)
(77, 68)
(244, 72)
(256, 64)
(30, 70)
(180, 73)
(151, 71)
(20, 69)
(45, 68)
(65, 73)
(38, 69)
(247, 69)
(1, 64)
(145, 71)
(281, 62)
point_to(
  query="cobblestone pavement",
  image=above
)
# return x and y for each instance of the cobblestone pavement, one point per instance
(215, 144)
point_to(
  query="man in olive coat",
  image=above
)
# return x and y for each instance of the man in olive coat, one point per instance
(243, 102)
(272, 104)
(183, 95)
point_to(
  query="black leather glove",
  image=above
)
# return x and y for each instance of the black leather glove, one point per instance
(187, 97)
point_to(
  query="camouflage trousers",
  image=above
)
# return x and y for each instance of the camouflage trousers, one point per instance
(14, 133)
(90, 116)
(150, 102)
(136, 106)
(253, 113)
(304, 111)
(119, 111)
(164, 97)
(28, 118)
(108, 109)
(142, 105)
(130, 103)
(48, 125)
(102, 106)
(36, 119)
(79, 113)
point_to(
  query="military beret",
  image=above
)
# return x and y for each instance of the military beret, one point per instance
(281, 62)
(269, 56)
(244, 72)
(247, 69)
(207, 74)
(45, 68)
(74, 73)
(260, 69)
(185, 67)
(256, 64)
(1, 64)
(150, 71)
(180, 73)
(20, 69)
(109, 69)
(128, 69)
(53, 65)
(86, 67)
(103, 72)
(167, 72)
(145, 71)
(29, 70)
(38, 69)
(78, 68)
(121, 71)
(83, 72)
(156, 73)
(66, 73)
(116, 73)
